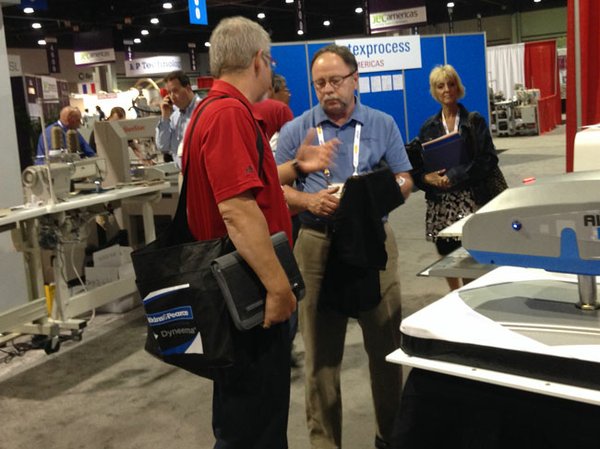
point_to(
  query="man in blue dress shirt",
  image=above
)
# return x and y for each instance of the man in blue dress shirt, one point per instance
(364, 137)
(176, 110)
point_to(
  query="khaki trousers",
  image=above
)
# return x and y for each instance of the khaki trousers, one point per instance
(324, 335)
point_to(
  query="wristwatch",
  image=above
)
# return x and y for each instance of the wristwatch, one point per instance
(297, 169)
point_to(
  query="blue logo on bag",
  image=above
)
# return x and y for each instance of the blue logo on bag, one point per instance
(171, 315)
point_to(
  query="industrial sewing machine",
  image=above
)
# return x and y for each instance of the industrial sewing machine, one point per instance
(56, 180)
(131, 154)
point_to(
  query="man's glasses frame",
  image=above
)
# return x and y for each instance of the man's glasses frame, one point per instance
(269, 59)
(334, 81)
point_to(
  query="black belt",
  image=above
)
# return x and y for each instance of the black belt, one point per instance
(324, 228)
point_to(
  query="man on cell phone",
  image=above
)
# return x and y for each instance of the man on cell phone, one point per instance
(176, 109)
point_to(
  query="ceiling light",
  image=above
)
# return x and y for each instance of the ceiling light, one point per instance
(536, 1)
(207, 44)
(28, 10)
(145, 32)
(154, 20)
(36, 25)
(300, 32)
(261, 15)
(168, 5)
(41, 42)
(358, 10)
(289, 1)
(450, 5)
(326, 23)
(137, 40)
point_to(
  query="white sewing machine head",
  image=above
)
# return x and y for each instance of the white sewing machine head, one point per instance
(54, 181)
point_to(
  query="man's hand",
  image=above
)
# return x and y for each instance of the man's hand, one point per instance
(323, 203)
(166, 107)
(279, 306)
(313, 158)
(249, 232)
(438, 179)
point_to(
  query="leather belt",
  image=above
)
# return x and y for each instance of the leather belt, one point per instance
(319, 227)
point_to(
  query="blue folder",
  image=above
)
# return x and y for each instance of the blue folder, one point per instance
(445, 152)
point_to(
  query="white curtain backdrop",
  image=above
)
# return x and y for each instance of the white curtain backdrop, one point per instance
(506, 67)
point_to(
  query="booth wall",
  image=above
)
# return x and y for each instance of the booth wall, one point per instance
(541, 72)
(585, 110)
(410, 106)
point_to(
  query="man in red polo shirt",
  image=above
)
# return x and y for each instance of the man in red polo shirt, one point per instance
(229, 193)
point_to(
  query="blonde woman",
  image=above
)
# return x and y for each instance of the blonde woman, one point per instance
(454, 192)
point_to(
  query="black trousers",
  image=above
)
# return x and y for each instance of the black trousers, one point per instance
(251, 399)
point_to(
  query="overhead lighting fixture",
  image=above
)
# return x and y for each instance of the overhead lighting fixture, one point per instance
(168, 5)
(450, 5)
(41, 42)
(36, 26)
(28, 10)
(154, 20)
(536, 1)
(289, 1)
(261, 15)
(358, 10)
(207, 44)
(326, 23)
(300, 32)
(145, 32)
(137, 40)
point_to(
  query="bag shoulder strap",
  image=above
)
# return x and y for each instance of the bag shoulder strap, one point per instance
(180, 221)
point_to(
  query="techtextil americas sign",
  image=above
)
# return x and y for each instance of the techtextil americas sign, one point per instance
(384, 15)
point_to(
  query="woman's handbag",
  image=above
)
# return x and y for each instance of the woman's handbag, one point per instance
(189, 325)
(414, 150)
(494, 182)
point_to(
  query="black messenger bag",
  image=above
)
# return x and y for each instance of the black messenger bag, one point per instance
(189, 325)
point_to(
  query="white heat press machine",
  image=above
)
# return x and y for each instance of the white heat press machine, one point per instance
(539, 321)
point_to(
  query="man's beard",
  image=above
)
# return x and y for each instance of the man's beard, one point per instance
(338, 108)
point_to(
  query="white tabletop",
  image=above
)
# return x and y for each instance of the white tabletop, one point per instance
(22, 213)
(539, 386)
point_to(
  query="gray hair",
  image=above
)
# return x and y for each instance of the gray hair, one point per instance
(233, 44)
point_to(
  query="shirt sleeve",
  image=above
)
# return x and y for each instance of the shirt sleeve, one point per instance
(164, 134)
(395, 153)
(39, 159)
(85, 147)
(230, 153)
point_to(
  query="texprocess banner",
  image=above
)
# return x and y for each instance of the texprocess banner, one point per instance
(382, 54)
(385, 15)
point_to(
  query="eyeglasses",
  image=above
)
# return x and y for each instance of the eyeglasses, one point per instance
(334, 81)
(269, 60)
